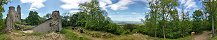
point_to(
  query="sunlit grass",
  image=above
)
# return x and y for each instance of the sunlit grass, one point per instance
(3, 36)
(68, 33)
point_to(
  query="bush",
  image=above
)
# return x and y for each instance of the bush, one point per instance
(115, 29)
(2, 24)
(129, 27)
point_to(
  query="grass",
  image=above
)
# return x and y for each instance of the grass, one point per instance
(214, 38)
(68, 33)
(3, 37)
(184, 38)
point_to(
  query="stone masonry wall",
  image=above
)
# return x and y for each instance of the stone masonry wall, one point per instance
(51, 25)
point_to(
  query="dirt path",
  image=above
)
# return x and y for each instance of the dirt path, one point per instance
(204, 36)
(22, 36)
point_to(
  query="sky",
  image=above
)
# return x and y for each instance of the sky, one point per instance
(118, 10)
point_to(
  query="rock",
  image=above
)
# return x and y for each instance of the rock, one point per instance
(28, 31)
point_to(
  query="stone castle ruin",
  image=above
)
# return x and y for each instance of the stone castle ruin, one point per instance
(52, 24)
(13, 17)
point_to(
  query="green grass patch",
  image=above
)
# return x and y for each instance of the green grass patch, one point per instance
(3, 37)
(214, 38)
(184, 38)
(68, 33)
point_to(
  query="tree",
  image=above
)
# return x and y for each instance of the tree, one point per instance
(33, 18)
(163, 16)
(47, 16)
(66, 20)
(152, 18)
(199, 21)
(2, 2)
(91, 17)
(210, 8)
(94, 18)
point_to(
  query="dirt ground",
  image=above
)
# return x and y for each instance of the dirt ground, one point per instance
(56, 36)
(204, 36)
(22, 36)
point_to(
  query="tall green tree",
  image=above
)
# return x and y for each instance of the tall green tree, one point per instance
(2, 2)
(94, 19)
(200, 22)
(47, 16)
(163, 16)
(210, 8)
(33, 18)
(152, 19)
(66, 20)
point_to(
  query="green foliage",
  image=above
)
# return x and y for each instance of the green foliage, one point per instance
(200, 22)
(70, 35)
(78, 19)
(129, 27)
(2, 22)
(47, 16)
(166, 23)
(33, 18)
(2, 2)
(94, 19)
(115, 29)
(210, 8)
(214, 38)
(65, 21)
(163, 20)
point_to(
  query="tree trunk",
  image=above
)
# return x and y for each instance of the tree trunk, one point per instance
(164, 32)
(213, 27)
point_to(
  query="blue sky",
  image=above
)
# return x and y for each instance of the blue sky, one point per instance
(119, 10)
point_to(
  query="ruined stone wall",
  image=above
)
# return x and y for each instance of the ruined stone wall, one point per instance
(56, 21)
(19, 12)
(51, 25)
(11, 19)
(43, 28)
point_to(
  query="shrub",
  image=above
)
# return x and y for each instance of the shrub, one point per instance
(2, 24)
(115, 29)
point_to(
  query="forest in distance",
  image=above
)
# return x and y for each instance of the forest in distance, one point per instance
(163, 21)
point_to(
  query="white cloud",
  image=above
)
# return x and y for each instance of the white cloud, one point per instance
(121, 5)
(188, 4)
(126, 17)
(106, 1)
(71, 5)
(73, 11)
(102, 5)
(35, 4)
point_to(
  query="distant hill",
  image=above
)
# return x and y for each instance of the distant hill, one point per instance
(127, 22)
